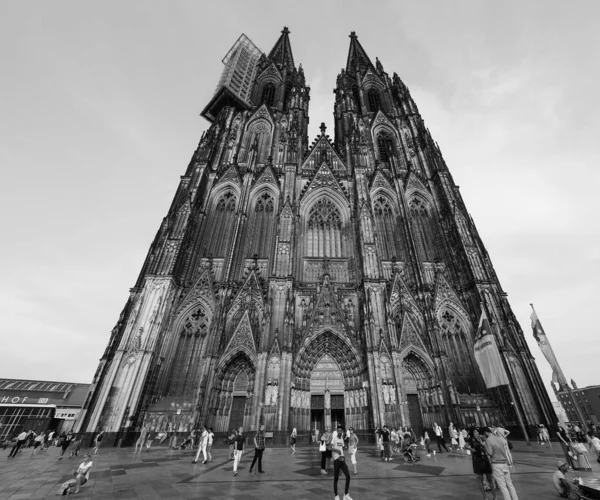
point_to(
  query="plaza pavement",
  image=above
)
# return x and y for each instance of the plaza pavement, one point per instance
(161, 473)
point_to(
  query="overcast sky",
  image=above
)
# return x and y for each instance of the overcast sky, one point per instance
(99, 116)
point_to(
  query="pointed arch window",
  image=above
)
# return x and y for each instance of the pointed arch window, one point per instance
(385, 146)
(220, 227)
(424, 229)
(374, 100)
(356, 95)
(389, 241)
(185, 367)
(324, 232)
(257, 141)
(268, 94)
(262, 227)
(458, 348)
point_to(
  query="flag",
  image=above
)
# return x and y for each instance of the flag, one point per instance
(487, 355)
(540, 336)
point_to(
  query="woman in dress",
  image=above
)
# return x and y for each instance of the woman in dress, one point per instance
(293, 437)
(482, 466)
(352, 448)
(503, 433)
(453, 436)
(462, 435)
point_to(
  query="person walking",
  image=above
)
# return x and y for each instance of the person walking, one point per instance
(98, 442)
(141, 440)
(259, 448)
(149, 439)
(39, 441)
(76, 446)
(453, 436)
(462, 438)
(210, 438)
(202, 444)
(325, 450)
(231, 442)
(482, 466)
(439, 437)
(49, 440)
(239, 449)
(385, 439)
(293, 437)
(339, 463)
(496, 450)
(21, 438)
(353, 448)
(427, 443)
(65, 444)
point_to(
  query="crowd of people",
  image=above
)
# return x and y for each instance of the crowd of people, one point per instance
(489, 448)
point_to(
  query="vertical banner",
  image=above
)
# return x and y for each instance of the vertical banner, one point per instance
(487, 355)
(540, 336)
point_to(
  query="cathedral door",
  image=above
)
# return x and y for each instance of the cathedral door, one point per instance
(317, 413)
(414, 412)
(238, 407)
(337, 411)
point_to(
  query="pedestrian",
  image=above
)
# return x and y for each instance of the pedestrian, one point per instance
(98, 442)
(503, 433)
(149, 439)
(353, 448)
(546, 436)
(385, 439)
(66, 441)
(293, 437)
(231, 442)
(49, 440)
(76, 446)
(439, 437)
(325, 449)
(462, 437)
(18, 445)
(565, 487)
(202, 444)
(39, 441)
(594, 444)
(239, 449)
(395, 438)
(192, 439)
(496, 450)
(427, 443)
(453, 436)
(209, 443)
(141, 440)
(259, 448)
(379, 441)
(339, 463)
(482, 466)
(540, 434)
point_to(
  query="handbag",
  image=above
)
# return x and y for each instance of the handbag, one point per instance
(322, 447)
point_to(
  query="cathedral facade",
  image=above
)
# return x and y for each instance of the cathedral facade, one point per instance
(301, 285)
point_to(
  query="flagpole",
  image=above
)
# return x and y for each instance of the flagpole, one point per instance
(510, 383)
(566, 384)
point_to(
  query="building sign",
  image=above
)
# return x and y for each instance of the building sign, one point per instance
(67, 413)
(20, 400)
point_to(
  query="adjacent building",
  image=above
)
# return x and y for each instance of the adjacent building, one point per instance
(301, 283)
(587, 398)
(39, 405)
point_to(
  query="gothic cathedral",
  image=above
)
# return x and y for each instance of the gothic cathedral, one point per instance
(304, 284)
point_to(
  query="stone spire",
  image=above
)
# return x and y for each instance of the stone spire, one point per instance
(281, 53)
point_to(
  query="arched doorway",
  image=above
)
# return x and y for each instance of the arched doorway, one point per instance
(232, 395)
(424, 403)
(326, 391)
(328, 384)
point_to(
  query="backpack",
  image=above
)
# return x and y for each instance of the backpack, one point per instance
(66, 488)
